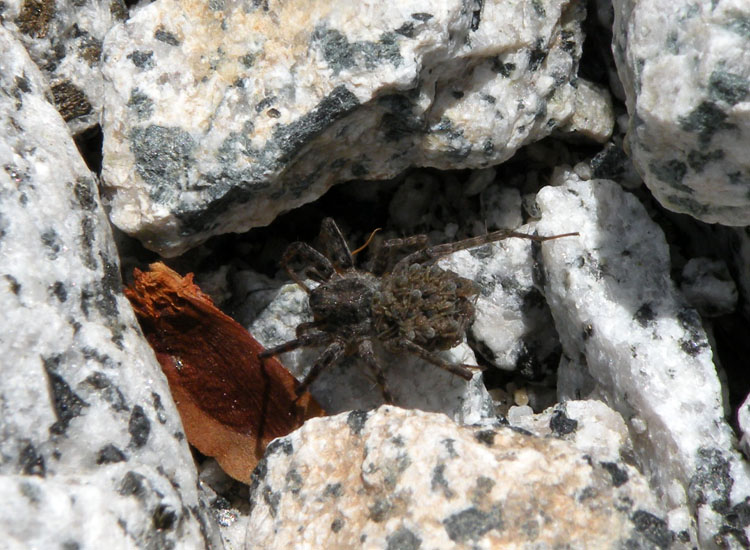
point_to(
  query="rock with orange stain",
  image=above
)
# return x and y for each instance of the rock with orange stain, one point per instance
(395, 478)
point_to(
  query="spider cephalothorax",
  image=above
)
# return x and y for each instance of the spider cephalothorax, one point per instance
(403, 300)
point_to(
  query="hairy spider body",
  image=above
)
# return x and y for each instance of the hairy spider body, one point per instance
(404, 301)
(426, 305)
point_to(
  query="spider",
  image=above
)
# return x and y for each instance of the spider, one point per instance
(402, 299)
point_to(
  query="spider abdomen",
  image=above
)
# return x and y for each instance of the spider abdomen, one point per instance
(425, 304)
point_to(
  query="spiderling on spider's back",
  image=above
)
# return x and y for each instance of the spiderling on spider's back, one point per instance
(403, 300)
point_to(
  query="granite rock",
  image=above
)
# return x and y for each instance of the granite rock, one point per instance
(687, 82)
(92, 453)
(220, 115)
(64, 38)
(630, 339)
(393, 478)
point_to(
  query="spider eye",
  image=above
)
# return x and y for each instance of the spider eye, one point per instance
(416, 294)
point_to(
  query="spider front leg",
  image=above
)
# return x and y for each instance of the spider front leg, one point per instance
(334, 245)
(331, 355)
(366, 352)
(302, 340)
(317, 266)
(459, 370)
(433, 253)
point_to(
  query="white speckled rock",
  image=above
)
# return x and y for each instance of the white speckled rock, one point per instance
(687, 80)
(350, 384)
(64, 38)
(408, 479)
(626, 328)
(220, 115)
(92, 453)
(513, 325)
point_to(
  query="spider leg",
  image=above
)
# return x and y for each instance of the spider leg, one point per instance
(304, 328)
(334, 245)
(330, 355)
(366, 352)
(318, 268)
(436, 252)
(303, 340)
(392, 250)
(459, 370)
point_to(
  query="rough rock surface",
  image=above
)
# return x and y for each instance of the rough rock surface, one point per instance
(684, 68)
(92, 454)
(407, 479)
(64, 38)
(220, 115)
(628, 338)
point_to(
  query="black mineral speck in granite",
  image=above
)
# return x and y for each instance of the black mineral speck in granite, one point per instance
(294, 481)
(698, 159)
(280, 446)
(619, 475)
(68, 405)
(728, 87)
(133, 484)
(163, 35)
(140, 104)
(337, 524)
(502, 68)
(51, 241)
(272, 499)
(356, 421)
(537, 55)
(109, 392)
(380, 510)
(712, 482)
(290, 138)
(163, 158)
(164, 517)
(439, 483)
(485, 436)
(142, 60)
(341, 54)
(161, 414)
(110, 454)
(561, 425)
(70, 100)
(333, 490)
(31, 462)
(35, 16)
(407, 30)
(59, 291)
(30, 490)
(671, 172)
(705, 120)
(472, 524)
(449, 445)
(645, 315)
(652, 528)
(403, 539)
(139, 427)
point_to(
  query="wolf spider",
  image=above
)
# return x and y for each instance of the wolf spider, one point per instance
(403, 299)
